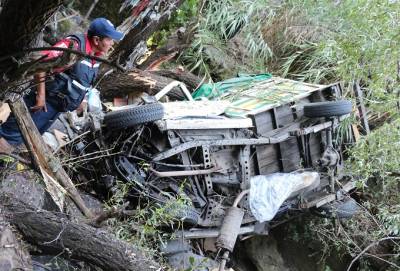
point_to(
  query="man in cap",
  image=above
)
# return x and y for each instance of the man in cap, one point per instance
(70, 85)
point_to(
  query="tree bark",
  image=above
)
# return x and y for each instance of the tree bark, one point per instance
(13, 255)
(80, 241)
(176, 43)
(142, 32)
(20, 23)
(44, 158)
(189, 79)
(137, 81)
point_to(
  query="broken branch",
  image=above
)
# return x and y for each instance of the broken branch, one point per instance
(44, 158)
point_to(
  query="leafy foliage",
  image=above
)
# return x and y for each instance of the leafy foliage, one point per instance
(217, 23)
(340, 40)
(315, 41)
(376, 162)
(183, 15)
(376, 156)
(144, 226)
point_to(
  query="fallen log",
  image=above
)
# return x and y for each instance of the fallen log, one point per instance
(54, 233)
(139, 81)
(13, 255)
(189, 79)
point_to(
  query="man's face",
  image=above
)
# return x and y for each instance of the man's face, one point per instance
(102, 45)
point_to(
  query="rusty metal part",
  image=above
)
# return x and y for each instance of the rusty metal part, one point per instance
(275, 138)
(244, 160)
(224, 142)
(199, 233)
(239, 197)
(180, 173)
(329, 158)
(319, 127)
(207, 164)
(230, 228)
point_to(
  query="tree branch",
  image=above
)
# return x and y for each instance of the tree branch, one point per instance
(368, 247)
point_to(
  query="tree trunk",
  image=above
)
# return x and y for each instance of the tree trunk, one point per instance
(142, 32)
(13, 255)
(20, 23)
(175, 44)
(90, 9)
(189, 79)
(54, 234)
(137, 81)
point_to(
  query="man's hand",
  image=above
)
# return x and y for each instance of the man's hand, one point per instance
(40, 104)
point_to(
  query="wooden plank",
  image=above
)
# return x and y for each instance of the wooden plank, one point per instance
(43, 157)
(272, 168)
(263, 122)
(266, 155)
(290, 155)
(285, 118)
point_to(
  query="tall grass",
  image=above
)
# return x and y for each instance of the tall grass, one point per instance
(315, 41)
(218, 22)
(348, 41)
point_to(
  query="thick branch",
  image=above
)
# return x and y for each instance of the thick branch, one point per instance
(16, 32)
(81, 241)
(189, 79)
(370, 246)
(44, 158)
(138, 81)
(142, 32)
(175, 44)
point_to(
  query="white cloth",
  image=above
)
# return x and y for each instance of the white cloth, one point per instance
(268, 192)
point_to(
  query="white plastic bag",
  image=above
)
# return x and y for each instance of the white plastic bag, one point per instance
(268, 192)
(94, 102)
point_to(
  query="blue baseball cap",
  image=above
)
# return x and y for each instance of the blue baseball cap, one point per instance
(104, 28)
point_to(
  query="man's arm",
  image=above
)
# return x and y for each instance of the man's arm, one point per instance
(40, 78)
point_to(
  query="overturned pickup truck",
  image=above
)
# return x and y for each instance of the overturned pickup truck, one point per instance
(241, 160)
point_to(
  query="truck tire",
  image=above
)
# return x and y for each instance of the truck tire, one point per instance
(131, 116)
(187, 214)
(328, 109)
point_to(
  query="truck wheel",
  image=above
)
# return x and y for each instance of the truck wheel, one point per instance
(131, 116)
(327, 109)
(187, 214)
